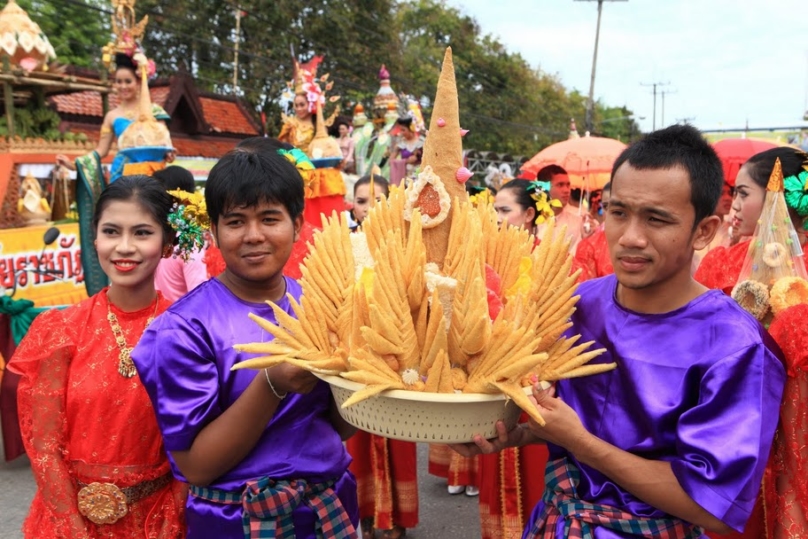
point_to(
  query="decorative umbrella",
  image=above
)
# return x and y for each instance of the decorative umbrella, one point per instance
(587, 160)
(734, 152)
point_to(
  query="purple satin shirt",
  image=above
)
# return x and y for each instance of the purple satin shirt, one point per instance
(184, 360)
(698, 387)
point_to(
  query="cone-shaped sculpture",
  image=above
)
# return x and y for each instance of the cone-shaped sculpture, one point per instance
(443, 151)
(146, 131)
(323, 146)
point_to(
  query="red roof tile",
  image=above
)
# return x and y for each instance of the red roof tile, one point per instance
(203, 148)
(222, 115)
(89, 103)
(226, 117)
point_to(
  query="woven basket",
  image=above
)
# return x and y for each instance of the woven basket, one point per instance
(435, 418)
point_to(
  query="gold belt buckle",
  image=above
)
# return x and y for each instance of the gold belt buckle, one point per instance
(102, 503)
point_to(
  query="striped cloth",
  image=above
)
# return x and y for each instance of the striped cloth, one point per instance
(580, 518)
(268, 506)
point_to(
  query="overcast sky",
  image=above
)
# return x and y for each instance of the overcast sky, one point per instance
(727, 61)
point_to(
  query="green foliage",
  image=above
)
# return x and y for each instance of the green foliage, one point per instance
(32, 121)
(507, 105)
(77, 32)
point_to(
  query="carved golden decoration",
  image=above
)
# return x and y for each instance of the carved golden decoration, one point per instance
(102, 503)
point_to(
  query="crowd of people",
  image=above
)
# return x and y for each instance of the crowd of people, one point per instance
(137, 425)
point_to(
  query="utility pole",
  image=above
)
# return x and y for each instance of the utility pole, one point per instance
(655, 85)
(235, 49)
(590, 103)
(663, 92)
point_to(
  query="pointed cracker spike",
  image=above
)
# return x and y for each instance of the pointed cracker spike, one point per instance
(443, 151)
(776, 178)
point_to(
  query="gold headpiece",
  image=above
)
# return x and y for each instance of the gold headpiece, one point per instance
(128, 33)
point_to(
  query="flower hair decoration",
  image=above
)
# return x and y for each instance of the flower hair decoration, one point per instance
(481, 196)
(796, 192)
(544, 205)
(189, 218)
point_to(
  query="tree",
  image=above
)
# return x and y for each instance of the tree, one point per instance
(507, 105)
(77, 32)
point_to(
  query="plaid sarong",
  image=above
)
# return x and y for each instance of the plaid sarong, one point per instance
(268, 506)
(561, 502)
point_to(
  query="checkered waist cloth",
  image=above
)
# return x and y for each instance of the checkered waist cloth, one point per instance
(268, 506)
(561, 501)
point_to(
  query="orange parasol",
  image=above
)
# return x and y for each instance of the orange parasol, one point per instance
(734, 152)
(587, 160)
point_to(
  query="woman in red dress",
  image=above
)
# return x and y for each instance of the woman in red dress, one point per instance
(86, 420)
(784, 506)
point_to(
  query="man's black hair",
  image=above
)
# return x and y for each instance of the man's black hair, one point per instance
(246, 177)
(680, 146)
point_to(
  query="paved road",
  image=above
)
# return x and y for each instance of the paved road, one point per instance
(441, 516)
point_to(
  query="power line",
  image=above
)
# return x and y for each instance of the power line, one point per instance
(655, 85)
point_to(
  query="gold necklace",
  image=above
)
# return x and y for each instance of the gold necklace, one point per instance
(126, 367)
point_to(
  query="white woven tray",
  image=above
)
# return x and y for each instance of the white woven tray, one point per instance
(416, 416)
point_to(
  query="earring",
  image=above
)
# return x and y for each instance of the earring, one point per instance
(167, 250)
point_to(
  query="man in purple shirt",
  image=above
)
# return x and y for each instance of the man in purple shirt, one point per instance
(675, 440)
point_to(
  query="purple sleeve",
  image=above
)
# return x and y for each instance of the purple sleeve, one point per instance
(723, 442)
(180, 374)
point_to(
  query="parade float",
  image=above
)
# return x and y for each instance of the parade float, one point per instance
(431, 322)
(305, 129)
(50, 110)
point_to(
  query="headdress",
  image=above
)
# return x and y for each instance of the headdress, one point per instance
(305, 82)
(189, 218)
(126, 50)
(796, 192)
(539, 192)
(774, 262)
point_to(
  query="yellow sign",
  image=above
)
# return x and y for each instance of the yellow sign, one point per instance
(47, 275)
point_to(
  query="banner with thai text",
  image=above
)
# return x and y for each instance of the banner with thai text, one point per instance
(47, 275)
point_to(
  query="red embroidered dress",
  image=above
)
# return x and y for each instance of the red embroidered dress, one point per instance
(81, 421)
(785, 485)
(386, 480)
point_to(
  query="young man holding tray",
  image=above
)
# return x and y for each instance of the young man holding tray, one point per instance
(675, 440)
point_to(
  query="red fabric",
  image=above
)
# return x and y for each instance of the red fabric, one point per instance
(386, 479)
(457, 470)
(82, 421)
(592, 256)
(316, 207)
(721, 267)
(781, 510)
(215, 263)
(511, 484)
(786, 491)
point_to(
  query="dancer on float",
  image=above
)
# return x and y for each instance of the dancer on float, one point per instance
(89, 429)
(385, 470)
(131, 72)
(783, 510)
(247, 442)
(675, 440)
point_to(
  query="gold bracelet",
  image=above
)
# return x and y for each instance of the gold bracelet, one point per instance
(280, 397)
